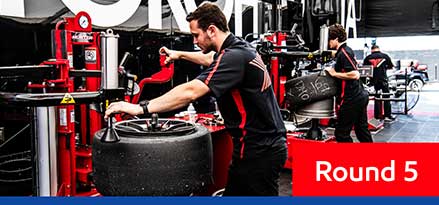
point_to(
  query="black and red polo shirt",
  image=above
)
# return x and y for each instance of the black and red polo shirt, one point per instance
(239, 80)
(380, 63)
(347, 90)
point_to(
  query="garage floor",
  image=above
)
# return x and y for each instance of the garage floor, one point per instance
(420, 125)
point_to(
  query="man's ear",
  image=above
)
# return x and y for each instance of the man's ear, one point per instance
(211, 31)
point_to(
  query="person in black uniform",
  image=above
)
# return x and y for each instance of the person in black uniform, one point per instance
(352, 99)
(380, 63)
(238, 78)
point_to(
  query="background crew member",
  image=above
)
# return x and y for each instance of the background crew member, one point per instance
(380, 63)
(239, 80)
(352, 99)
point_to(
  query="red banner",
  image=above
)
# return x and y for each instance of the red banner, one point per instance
(363, 169)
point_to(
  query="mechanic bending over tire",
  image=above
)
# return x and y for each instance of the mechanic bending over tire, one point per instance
(380, 62)
(352, 98)
(239, 80)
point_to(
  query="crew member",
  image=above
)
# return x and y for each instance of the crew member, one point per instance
(351, 97)
(380, 63)
(238, 78)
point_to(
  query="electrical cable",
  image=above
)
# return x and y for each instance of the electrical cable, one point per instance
(19, 174)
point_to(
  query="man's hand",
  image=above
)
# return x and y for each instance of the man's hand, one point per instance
(122, 106)
(171, 55)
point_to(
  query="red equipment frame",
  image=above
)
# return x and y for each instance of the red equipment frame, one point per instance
(74, 145)
(163, 76)
(74, 156)
(278, 39)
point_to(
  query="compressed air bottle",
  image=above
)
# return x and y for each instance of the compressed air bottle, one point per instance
(191, 112)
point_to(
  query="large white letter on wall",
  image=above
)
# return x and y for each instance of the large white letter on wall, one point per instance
(238, 15)
(180, 14)
(155, 12)
(228, 9)
(12, 8)
(104, 15)
(351, 19)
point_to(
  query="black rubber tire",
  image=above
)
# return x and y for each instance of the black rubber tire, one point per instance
(311, 88)
(153, 166)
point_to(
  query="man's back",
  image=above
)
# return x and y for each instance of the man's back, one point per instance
(380, 63)
(241, 83)
(347, 90)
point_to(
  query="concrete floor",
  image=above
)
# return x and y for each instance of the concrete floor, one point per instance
(421, 124)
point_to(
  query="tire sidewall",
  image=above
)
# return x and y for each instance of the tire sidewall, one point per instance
(153, 165)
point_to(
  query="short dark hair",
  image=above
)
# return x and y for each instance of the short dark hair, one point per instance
(209, 14)
(337, 31)
(375, 47)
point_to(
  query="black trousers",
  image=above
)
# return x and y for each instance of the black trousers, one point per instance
(256, 176)
(384, 87)
(353, 113)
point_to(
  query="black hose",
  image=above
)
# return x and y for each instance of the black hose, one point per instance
(416, 101)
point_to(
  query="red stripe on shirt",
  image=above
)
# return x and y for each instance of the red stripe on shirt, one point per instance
(343, 83)
(214, 68)
(349, 58)
(375, 62)
(242, 147)
(343, 87)
(240, 105)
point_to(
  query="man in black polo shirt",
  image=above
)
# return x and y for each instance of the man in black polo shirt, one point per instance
(380, 63)
(352, 99)
(239, 80)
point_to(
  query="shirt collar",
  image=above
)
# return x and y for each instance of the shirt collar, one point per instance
(342, 45)
(228, 41)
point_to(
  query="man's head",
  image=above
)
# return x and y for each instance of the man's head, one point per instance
(206, 23)
(375, 48)
(337, 35)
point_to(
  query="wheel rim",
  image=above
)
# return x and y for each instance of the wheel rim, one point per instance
(166, 127)
(416, 85)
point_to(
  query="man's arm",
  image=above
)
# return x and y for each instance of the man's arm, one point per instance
(351, 75)
(176, 98)
(390, 63)
(195, 57)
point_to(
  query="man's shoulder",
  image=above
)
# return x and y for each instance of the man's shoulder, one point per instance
(375, 55)
(239, 53)
(348, 48)
(367, 57)
(345, 52)
(386, 55)
(339, 54)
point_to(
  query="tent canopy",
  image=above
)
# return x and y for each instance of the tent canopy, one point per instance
(378, 18)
